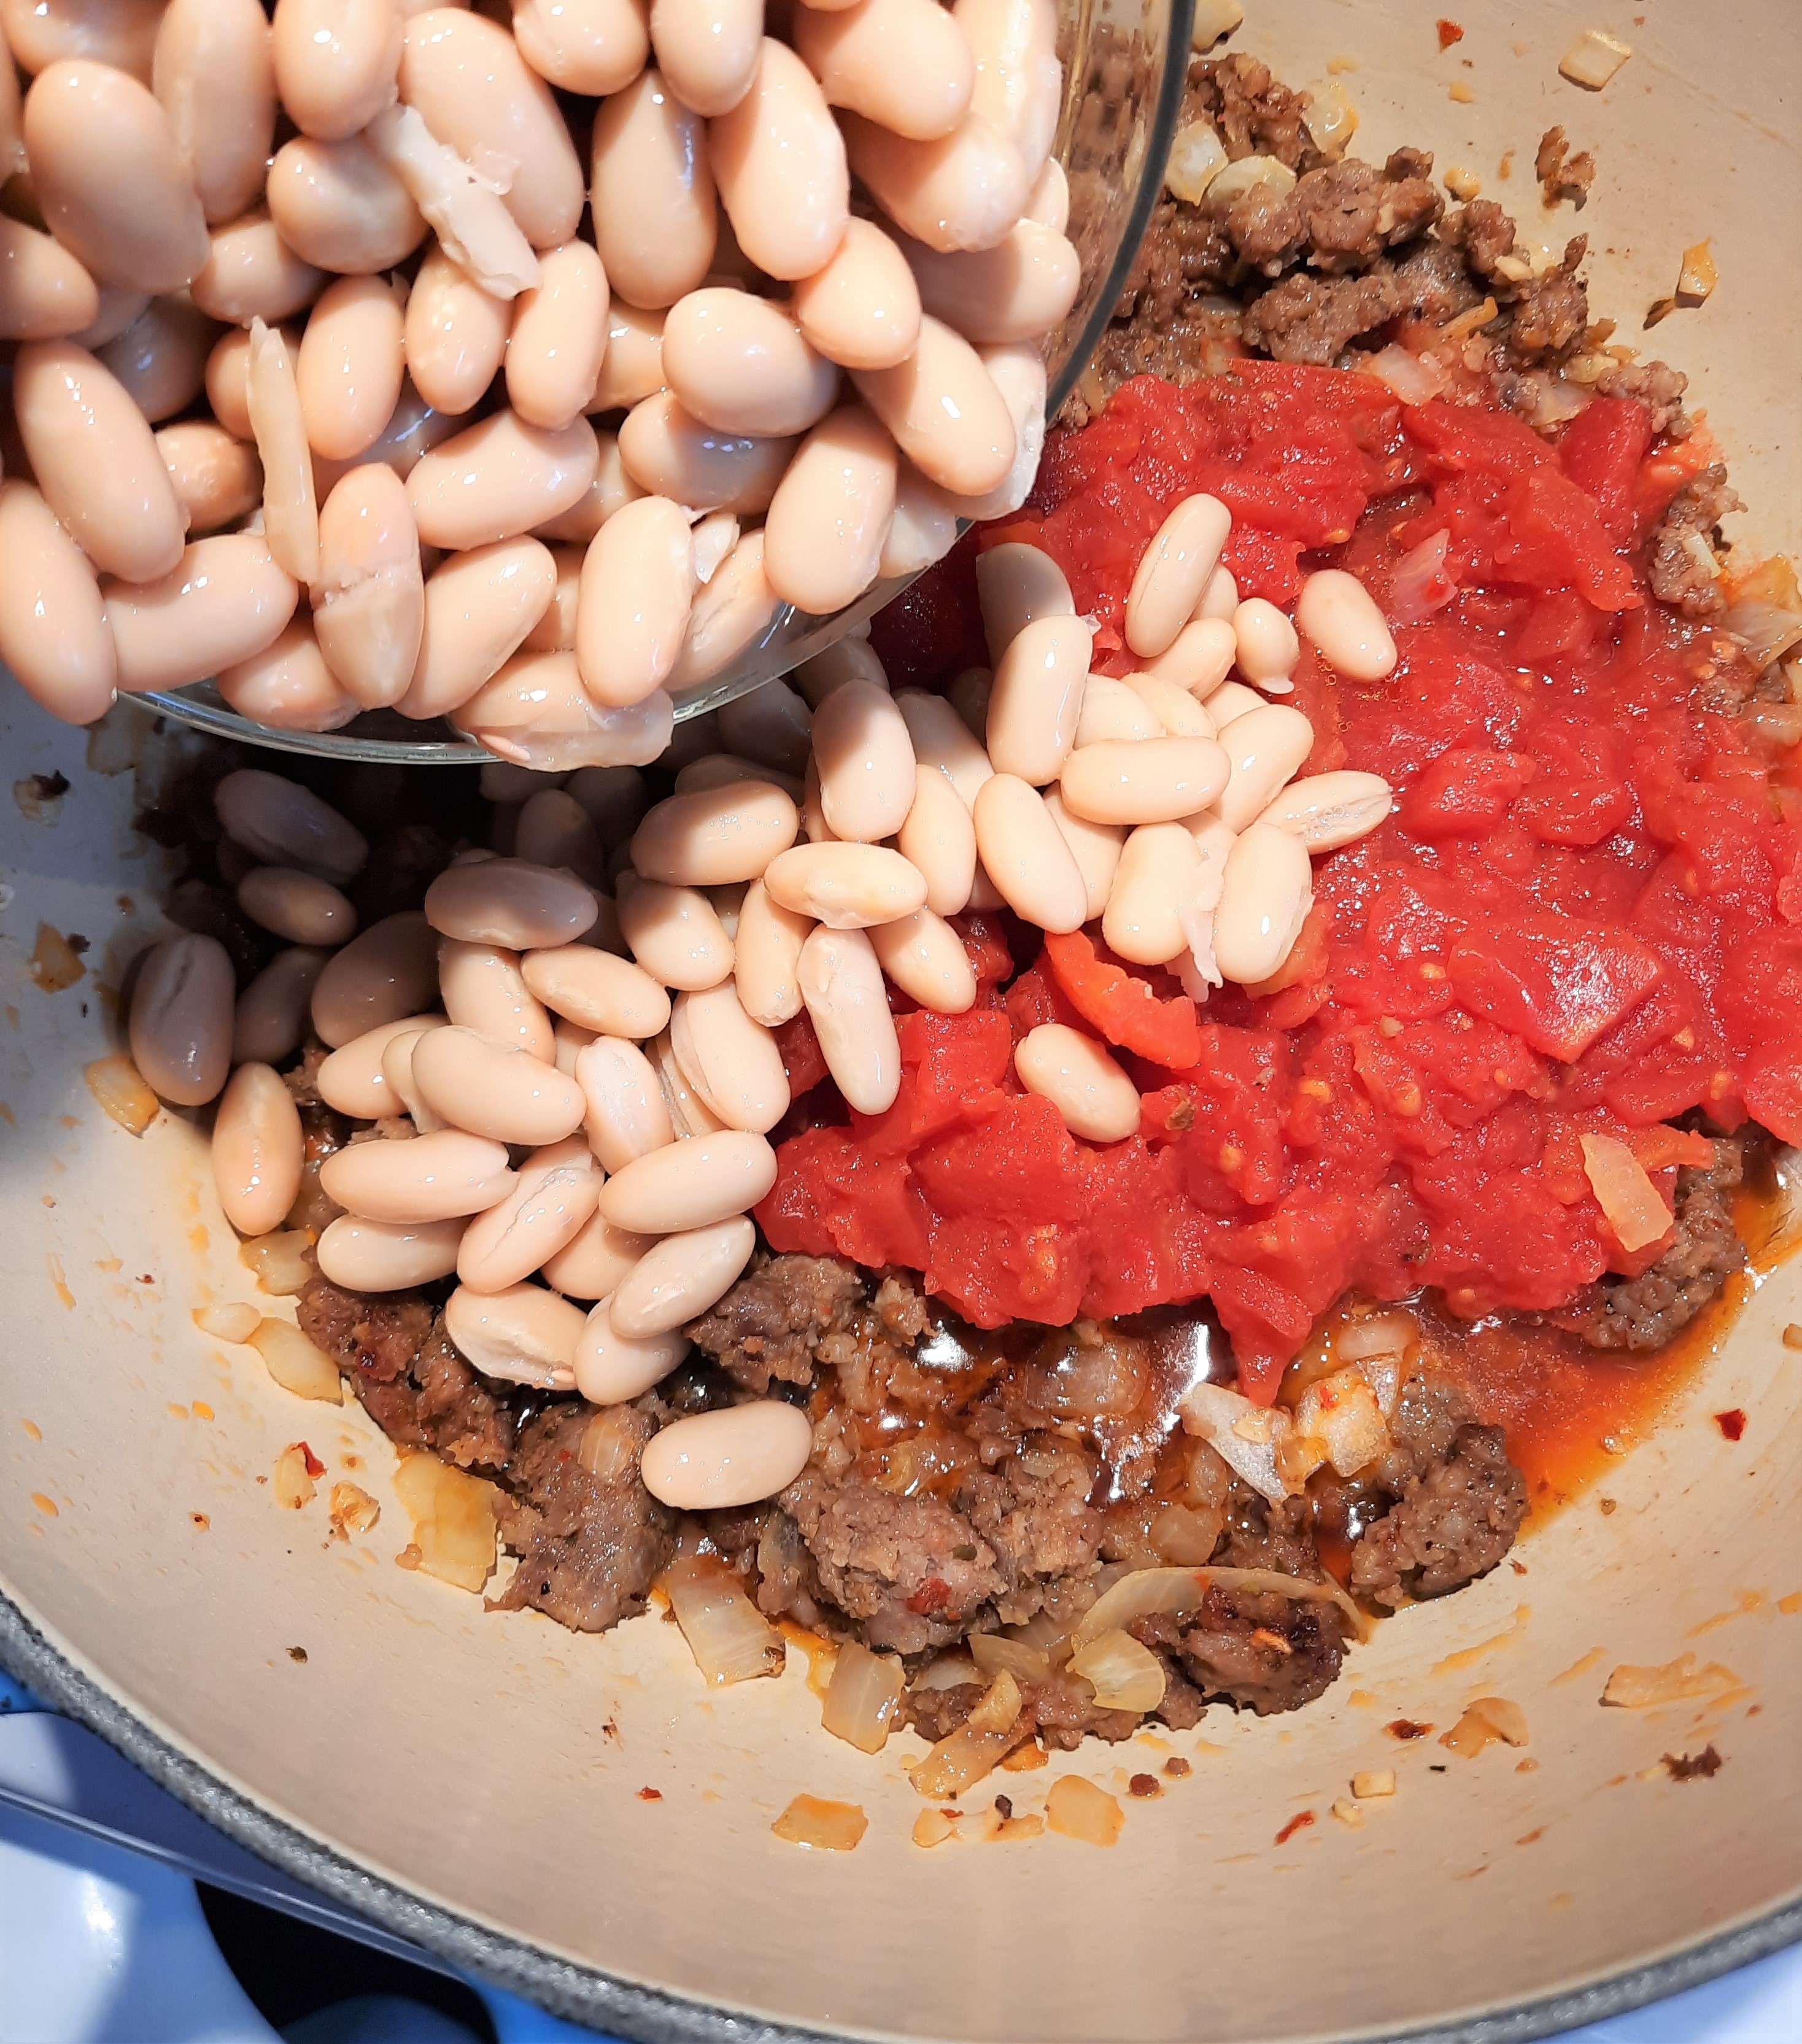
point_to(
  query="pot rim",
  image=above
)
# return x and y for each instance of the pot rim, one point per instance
(653, 2015)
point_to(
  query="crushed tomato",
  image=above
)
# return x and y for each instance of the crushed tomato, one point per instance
(1586, 913)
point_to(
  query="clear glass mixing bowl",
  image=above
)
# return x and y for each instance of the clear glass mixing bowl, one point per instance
(1125, 64)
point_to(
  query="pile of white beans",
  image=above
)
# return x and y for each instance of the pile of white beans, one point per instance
(812, 397)
(577, 1085)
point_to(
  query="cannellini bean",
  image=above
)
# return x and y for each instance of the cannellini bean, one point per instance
(217, 479)
(943, 739)
(656, 221)
(524, 1334)
(350, 364)
(690, 1185)
(680, 1279)
(623, 1111)
(697, 1464)
(631, 371)
(593, 1265)
(473, 224)
(1155, 781)
(388, 971)
(1021, 288)
(354, 1081)
(555, 1198)
(45, 294)
(396, 1076)
(271, 1014)
(387, 1256)
(1265, 746)
(509, 902)
(715, 836)
(297, 906)
(1199, 658)
(288, 685)
(258, 1150)
(160, 359)
(369, 600)
(213, 74)
(637, 590)
(732, 1062)
(484, 987)
(667, 451)
(771, 724)
(228, 381)
(283, 823)
(335, 62)
(707, 50)
(845, 887)
(291, 509)
(615, 797)
(813, 824)
(554, 829)
(536, 711)
(251, 273)
(1016, 585)
(479, 607)
(1019, 80)
(592, 47)
(963, 190)
(715, 536)
(1267, 647)
(1157, 870)
(778, 159)
(1219, 599)
(862, 308)
(732, 613)
(1036, 702)
(905, 63)
(554, 632)
(1172, 706)
(560, 335)
(1112, 711)
(829, 518)
(432, 1177)
(612, 1369)
(767, 960)
(493, 1089)
(939, 836)
(866, 762)
(120, 32)
(610, 996)
(111, 183)
(1328, 810)
(500, 478)
(468, 80)
(338, 206)
(1172, 573)
(739, 363)
(1096, 848)
(1017, 370)
(1095, 1097)
(455, 335)
(944, 411)
(119, 308)
(53, 632)
(1230, 701)
(840, 979)
(846, 659)
(1049, 202)
(181, 1019)
(95, 460)
(12, 110)
(225, 599)
(925, 958)
(1023, 853)
(1266, 894)
(1340, 617)
(674, 933)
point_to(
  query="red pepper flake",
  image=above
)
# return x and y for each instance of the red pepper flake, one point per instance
(1405, 1728)
(1731, 1423)
(1299, 1821)
(932, 1594)
(1144, 1784)
(650, 1795)
(314, 1466)
(1449, 32)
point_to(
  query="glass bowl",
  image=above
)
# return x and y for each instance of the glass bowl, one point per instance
(1126, 63)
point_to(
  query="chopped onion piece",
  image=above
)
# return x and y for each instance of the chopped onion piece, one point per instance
(1143, 1591)
(1373, 1784)
(948, 1671)
(1766, 631)
(1415, 378)
(233, 1322)
(1630, 1204)
(1078, 1809)
(932, 1827)
(1677, 1681)
(1421, 583)
(278, 1261)
(453, 1520)
(994, 1651)
(1593, 59)
(121, 1093)
(1506, 1719)
(1332, 120)
(1340, 1412)
(1214, 19)
(731, 1639)
(863, 1698)
(1698, 277)
(294, 1363)
(1000, 1705)
(1127, 1675)
(293, 1482)
(1196, 158)
(1245, 1436)
(959, 1761)
(812, 1821)
(1238, 178)
(1377, 1334)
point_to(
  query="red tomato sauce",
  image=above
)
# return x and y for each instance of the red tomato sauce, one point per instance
(1586, 913)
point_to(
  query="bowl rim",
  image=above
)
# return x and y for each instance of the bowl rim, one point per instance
(587, 1994)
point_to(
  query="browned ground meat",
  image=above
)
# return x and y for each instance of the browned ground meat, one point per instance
(771, 1324)
(302, 1080)
(1562, 172)
(402, 864)
(1672, 566)
(1057, 1711)
(589, 1545)
(1656, 385)
(1644, 1312)
(1261, 1653)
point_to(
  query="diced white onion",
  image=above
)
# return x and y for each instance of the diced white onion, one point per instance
(294, 1363)
(1126, 1674)
(731, 1639)
(1238, 178)
(1196, 158)
(1246, 1437)
(1177, 1592)
(1632, 1205)
(863, 1698)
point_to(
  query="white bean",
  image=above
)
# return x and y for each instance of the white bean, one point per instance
(427, 1178)
(555, 1199)
(969, 695)
(484, 987)
(1025, 854)
(590, 46)
(389, 970)
(593, 1265)
(351, 362)
(161, 358)
(865, 761)
(535, 712)
(494, 1089)
(862, 310)
(772, 725)
(369, 598)
(297, 906)
(942, 739)
(631, 370)
(937, 835)
(707, 50)
(1200, 657)
(717, 1461)
(251, 273)
(733, 612)
(924, 529)
(654, 211)
(1266, 894)
(681, 1279)
(559, 336)
(455, 335)
(1266, 746)
(1019, 80)
(1230, 701)
(53, 631)
(669, 452)
(1328, 810)
(1159, 868)
(214, 74)
(1019, 289)
(1049, 202)
(925, 958)
(638, 585)
(553, 829)
(840, 979)
(739, 363)
(1114, 713)
(1174, 707)
(624, 1110)
(225, 601)
(571, 1039)
(944, 409)
(731, 1061)
(334, 206)
(1095, 1097)
(845, 887)
(769, 944)
(905, 63)
(396, 1076)
(616, 798)
(778, 159)
(290, 509)
(286, 825)
(506, 901)
(1017, 372)
(716, 836)
(524, 1334)
(690, 1185)
(1219, 599)
(1036, 702)
(1173, 571)
(1340, 617)
(353, 1080)
(500, 478)
(674, 933)
(609, 995)
(962, 190)
(387, 1256)
(474, 225)
(181, 1019)
(271, 1014)
(611, 1369)
(335, 62)
(217, 480)
(1154, 780)
(258, 1150)
(829, 518)
(1016, 584)
(1268, 647)
(1096, 848)
(479, 608)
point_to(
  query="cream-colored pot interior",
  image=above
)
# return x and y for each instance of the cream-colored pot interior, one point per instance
(493, 1766)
